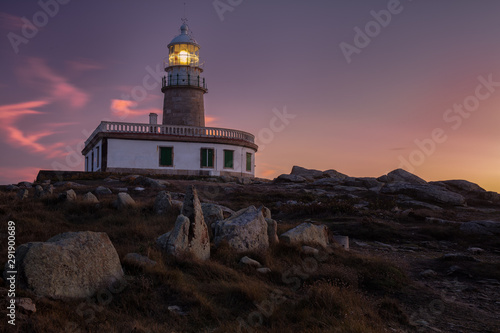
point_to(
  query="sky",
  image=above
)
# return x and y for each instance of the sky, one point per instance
(362, 87)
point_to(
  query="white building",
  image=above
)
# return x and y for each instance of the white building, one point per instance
(181, 145)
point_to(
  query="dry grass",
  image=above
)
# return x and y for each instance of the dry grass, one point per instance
(332, 292)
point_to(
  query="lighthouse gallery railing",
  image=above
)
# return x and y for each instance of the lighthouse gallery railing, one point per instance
(189, 131)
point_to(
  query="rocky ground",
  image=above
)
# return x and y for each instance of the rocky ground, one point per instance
(423, 256)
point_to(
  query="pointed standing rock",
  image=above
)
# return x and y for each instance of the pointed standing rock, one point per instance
(123, 200)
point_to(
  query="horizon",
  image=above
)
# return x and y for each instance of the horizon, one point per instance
(363, 88)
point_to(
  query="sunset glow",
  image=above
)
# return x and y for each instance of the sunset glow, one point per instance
(420, 92)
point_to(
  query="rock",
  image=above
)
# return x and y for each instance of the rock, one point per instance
(428, 273)
(177, 310)
(266, 212)
(162, 241)
(343, 241)
(250, 262)
(68, 195)
(101, 190)
(110, 179)
(38, 191)
(135, 259)
(69, 265)
(334, 174)
(308, 174)
(290, 179)
(177, 205)
(148, 182)
(139, 189)
(245, 231)
(227, 179)
(457, 257)
(163, 203)
(26, 304)
(409, 202)
(12, 187)
(309, 250)
(327, 182)
(212, 213)
(22, 194)
(244, 180)
(427, 192)
(475, 250)
(400, 175)
(25, 184)
(263, 270)
(123, 200)
(90, 198)
(306, 233)
(486, 228)
(190, 233)
(459, 185)
(272, 231)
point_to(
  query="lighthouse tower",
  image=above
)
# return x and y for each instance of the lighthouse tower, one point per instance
(183, 86)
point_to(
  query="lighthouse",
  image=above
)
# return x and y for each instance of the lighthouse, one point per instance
(181, 144)
(183, 86)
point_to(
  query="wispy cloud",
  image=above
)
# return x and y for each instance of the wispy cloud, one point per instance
(82, 65)
(57, 87)
(123, 109)
(9, 114)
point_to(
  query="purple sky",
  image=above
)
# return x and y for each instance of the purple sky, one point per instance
(393, 101)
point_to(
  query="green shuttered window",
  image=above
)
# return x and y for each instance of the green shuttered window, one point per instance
(166, 156)
(228, 159)
(249, 162)
(207, 158)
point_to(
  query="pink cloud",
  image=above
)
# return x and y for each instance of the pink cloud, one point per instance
(9, 114)
(122, 109)
(56, 86)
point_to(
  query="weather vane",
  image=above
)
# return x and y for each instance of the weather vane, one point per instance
(184, 18)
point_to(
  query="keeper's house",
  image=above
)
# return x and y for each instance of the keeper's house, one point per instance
(181, 145)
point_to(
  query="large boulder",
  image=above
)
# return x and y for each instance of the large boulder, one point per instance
(69, 265)
(190, 234)
(90, 198)
(289, 179)
(425, 192)
(245, 231)
(306, 234)
(69, 195)
(308, 174)
(400, 175)
(102, 190)
(163, 203)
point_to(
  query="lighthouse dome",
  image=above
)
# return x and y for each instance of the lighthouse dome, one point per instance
(184, 37)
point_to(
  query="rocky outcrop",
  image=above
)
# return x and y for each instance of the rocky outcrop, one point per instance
(425, 192)
(459, 185)
(306, 234)
(290, 179)
(308, 174)
(486, 228)
(163, 203)
(123, 200)
(245, 231)
(400, 175)
(69, 265)
(190, 234)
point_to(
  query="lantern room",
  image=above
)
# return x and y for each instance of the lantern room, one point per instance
(183, 50)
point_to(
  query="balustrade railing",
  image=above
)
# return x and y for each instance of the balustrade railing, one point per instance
(188, 131)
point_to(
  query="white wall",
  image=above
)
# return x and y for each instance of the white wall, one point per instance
(144, 154)
(97, 150)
